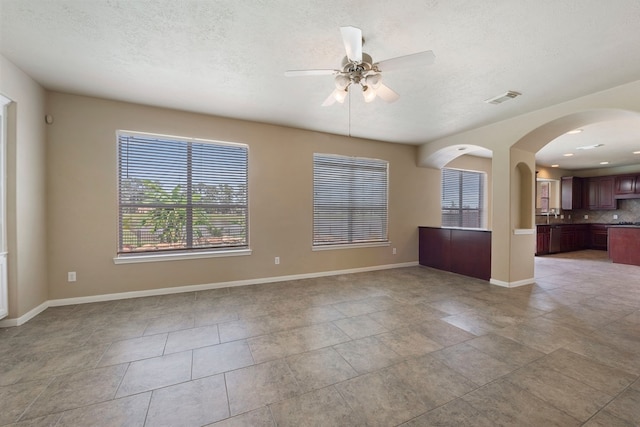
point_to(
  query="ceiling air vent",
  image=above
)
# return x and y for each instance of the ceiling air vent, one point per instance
(504, 97)
(589, 147)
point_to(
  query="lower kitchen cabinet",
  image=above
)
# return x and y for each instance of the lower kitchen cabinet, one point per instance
(466, 252)
(542, 239)
(572, 237)
(598, 235)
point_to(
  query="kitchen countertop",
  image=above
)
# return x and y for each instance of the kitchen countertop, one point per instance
(635, 225)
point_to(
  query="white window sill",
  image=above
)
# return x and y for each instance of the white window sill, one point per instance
(133, 259)
(522, 231)
(350, 246)
(466, 228)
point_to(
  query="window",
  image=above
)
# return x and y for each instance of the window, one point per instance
(544, 196)
(180, 194)
(462, 198)
(349, 200)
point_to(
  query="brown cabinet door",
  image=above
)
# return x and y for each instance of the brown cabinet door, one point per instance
(592, 194)
(626, 184)
(542, 240)
(571, 192)
(566, 239)
(606, 193)
(435, 247)
(601, 193)
(599, 239)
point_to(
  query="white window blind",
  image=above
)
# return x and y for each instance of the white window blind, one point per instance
(179, 194)
(349, 200)
(462, 198)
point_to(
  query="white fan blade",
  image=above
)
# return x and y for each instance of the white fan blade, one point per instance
(419, 59)
(302, 73)
(386, 93)
(352, 39)
(330, 100)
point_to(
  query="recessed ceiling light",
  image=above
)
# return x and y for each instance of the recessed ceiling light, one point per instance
(589, 147)
(555, 166)
(503, 97)
(575, 131)
(604, 163)
(568, 154)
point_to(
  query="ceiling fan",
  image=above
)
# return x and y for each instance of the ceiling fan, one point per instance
(358, 69)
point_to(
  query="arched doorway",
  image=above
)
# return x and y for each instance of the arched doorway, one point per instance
(544, 134)
(554, 132)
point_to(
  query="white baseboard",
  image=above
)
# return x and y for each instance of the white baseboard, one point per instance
(191, 288)
(515, 284)
(7, 323)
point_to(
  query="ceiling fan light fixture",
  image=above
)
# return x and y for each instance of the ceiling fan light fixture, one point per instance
(340, 95)
(342, 81)
(336, 96)
(373, 80)
(369, 93)
(359, 69)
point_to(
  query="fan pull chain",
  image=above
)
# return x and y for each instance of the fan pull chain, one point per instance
(349, 95)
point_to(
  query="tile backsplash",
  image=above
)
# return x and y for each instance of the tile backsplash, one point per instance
(628, 211)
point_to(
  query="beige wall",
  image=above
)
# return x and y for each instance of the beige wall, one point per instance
(552, 173)
(82, 215)
(26, 207)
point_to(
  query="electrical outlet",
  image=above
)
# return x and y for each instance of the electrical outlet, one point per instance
(277, 260)
(71, 276)
(586, 217)
(561, 216)
(394, 251)
(615, 216)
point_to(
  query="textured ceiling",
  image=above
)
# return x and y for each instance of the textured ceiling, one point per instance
(227, 58)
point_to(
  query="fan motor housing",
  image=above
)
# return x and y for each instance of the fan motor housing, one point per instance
(357, 70)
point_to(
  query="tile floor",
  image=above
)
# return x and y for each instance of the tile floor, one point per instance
(411, 346)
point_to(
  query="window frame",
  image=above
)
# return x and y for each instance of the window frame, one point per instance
(123, 257)
(482, 199)
(383, 241)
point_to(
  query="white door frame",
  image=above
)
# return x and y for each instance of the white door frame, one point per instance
(4, 292)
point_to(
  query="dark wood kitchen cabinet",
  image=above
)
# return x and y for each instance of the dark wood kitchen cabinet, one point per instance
(573, 237)
(572, 193)
(466, 252)
(624, 244)
(543, 234)
(626, 184)
(598, 234)
(627, 187)
(600, 194)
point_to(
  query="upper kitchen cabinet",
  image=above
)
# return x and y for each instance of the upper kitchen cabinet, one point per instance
(627, 186)
(572, 193)
(600, 194)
